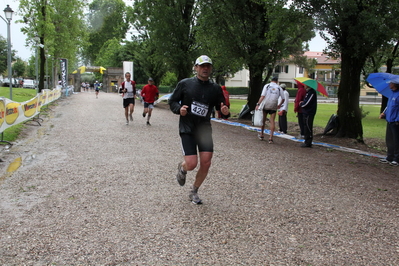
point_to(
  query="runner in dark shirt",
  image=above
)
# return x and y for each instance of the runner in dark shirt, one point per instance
(193, 99)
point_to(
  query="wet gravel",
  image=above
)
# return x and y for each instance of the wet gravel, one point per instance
(93, 191)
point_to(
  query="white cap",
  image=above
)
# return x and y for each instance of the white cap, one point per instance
(395, 80)
(203, 59)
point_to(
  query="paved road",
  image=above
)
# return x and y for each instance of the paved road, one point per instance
(93, 191)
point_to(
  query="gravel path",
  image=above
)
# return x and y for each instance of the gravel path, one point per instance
(93, 191)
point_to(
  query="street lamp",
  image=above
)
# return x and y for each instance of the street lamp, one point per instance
(8, 14)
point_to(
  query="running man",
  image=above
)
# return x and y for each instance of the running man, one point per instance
(149, 94)
(97, 88)
(193, 99)
(129, 93)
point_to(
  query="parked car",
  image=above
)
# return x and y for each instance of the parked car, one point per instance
(29, 84)
(6, 82)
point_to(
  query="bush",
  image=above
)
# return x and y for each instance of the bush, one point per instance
(162, 89)
(165, 89)
(237, 90)
(292, 92)
(169, 80)
(244, 91)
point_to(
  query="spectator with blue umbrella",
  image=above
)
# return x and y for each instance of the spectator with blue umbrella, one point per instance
(388, 85)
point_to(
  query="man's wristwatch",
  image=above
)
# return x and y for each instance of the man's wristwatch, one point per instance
(257, 103)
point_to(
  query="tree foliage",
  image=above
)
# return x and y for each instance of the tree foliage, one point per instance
(170, 25)
(3, 54)
(388, 56)
(107, 20)
(56, 27)
(358, 28)
(257, 34)
(30, 68)
(150, 62)
(19, 68)
(110, 54)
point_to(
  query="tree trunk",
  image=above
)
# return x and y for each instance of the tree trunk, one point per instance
(42, 55)
(42, 70)
(255, 88)
(349, 113)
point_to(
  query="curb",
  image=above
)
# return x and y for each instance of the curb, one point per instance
(292, 138)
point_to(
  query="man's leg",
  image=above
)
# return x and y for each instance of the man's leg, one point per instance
(308, 129)
(301, 124)
(395, 134)
(127, 113)
(272, 125)
(205, 163)
(131, 107)
(284, 126)
(190, 162)
(145, 110)
(149, 115)
(280, 123)
(262, 129)
(389, 141)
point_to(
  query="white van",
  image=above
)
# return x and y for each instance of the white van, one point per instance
(29, 84)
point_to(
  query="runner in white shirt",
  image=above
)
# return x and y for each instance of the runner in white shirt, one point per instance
(269, 102)
(129, 92)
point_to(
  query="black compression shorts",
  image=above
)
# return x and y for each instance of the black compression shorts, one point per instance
(190, 143)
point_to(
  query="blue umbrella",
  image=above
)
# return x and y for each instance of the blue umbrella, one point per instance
(380, 82)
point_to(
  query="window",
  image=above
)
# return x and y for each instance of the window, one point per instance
(300, 70)
(286, 69)
(277, 69)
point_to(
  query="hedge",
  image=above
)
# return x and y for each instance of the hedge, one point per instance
(231, 90)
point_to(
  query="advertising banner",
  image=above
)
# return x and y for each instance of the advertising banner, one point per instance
(64, 73)
(128, 67)
(12, 113)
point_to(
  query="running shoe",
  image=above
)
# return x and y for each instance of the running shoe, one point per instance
(303, 145)
(148, 123)
(394, 163)
(143, 114)
(384, 160)
(181, 175)
(194, 197)
(127, 122)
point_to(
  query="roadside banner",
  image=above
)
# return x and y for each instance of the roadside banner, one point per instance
(12, 113)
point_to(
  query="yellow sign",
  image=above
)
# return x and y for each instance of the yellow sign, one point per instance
(2, 112)
(30, 107)
(50, 96)
(84, 69)
(12, 112)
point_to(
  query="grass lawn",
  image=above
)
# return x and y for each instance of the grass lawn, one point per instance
(18, 95)
(372, 126)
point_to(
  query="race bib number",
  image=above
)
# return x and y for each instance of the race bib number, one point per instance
(199, 109)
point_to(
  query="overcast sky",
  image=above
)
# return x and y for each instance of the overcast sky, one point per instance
(317, 44)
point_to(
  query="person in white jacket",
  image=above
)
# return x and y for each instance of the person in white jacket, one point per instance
(268, 102)
(282, 114)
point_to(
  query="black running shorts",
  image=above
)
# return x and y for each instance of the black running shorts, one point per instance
(190, 143)
(128, 101)
(269, 111)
